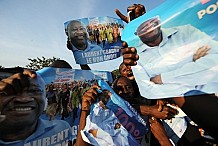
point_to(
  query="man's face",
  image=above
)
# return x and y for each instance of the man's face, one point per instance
(77, 34)
(126, 72)
(150, 30)
(24, 108)
(124, 88)
(64, 86)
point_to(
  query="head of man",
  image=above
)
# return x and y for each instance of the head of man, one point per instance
(64, 86)
(22, 110)
(51, 87)
(78, 35)
(149, 32)
(126, 71)
(123, 87)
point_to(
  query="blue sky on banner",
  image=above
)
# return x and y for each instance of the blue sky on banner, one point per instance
(31, 29)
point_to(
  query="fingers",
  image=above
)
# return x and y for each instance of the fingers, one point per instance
(152, 120)
(170, 112)
(136, 11)
(16, 83)
(140, 10)
(122, 17)
(125, 45)
(30, 73)
(201, 52)
(89, 97)
(160, 104)
(129, 56)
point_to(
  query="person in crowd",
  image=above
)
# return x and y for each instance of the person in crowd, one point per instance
(90, 33)
(78, 41)
(116, 33)
(64, 99)
(22, 99)
(96, 35)
(109, 34)
(52, 102)
(103, 35)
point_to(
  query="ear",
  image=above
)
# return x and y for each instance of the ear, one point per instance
(66, 31)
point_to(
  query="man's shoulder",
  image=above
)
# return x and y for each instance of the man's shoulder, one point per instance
(94, 47)
(181, 28)
(53, 124)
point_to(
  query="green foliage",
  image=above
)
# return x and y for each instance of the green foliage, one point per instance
(38, 63)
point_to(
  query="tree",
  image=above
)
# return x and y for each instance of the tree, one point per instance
(38, 63)
(1, 66)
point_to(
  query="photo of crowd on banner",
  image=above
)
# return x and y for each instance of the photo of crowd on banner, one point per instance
(94, 40)
(163, 93)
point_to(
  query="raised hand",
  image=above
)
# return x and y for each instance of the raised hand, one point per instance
(134, 11)
(16, 83)
(89, 97)
(130, 55)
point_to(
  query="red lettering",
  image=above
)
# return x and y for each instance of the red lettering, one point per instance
(204, 1)
(130, 126)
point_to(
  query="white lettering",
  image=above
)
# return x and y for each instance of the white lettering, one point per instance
(53, 139)
(74, 130)
(46, 141)
(60, 136)
(209, 10)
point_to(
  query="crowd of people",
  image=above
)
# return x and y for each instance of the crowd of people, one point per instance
(65, 98)
(23, 96)
(105, 34)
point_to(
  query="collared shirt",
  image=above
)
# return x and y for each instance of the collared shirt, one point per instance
(173, 60)
(51, 133)
(86, 56)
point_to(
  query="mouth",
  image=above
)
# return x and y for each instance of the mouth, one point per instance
(81, 37)
(23, 109)
(20, 109)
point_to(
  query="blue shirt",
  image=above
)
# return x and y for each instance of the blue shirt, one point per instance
(173, 60)
(85, 56)
(47, 133)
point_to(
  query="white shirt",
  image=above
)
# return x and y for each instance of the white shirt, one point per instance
(173, 60)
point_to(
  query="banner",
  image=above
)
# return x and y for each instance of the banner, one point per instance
(177, 49)
(94, 40)
(68, 86)
(127, 115)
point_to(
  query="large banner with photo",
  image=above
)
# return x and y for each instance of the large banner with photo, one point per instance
(177, 47)
(95, 39)
(69, 85)
(75, 82)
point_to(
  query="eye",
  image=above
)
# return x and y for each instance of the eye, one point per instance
(119, 89)
(34, 91)
(82, 28)
(128, 87)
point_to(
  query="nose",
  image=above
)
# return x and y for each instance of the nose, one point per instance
(125, 90)
(23, 98)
